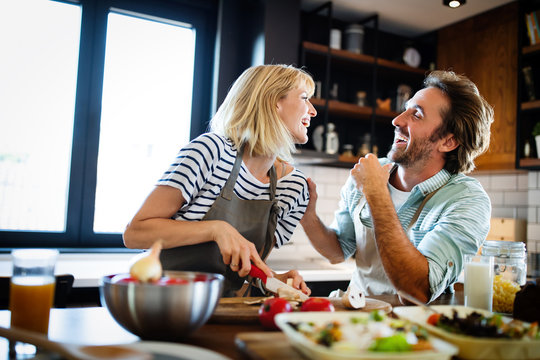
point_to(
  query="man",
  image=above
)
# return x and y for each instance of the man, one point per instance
(408, 219)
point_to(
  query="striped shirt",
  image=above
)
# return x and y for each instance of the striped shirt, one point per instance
(202, 168)
(454, 222)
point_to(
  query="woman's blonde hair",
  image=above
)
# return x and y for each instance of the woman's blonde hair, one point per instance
(249, 113)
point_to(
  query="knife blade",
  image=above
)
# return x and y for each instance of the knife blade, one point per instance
(273, 284)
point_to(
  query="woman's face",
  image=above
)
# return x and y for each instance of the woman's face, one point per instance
(296, 112)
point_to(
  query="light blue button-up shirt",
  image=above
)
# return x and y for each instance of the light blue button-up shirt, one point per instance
(454, 222)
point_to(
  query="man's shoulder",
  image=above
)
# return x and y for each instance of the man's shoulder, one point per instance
(461, 185)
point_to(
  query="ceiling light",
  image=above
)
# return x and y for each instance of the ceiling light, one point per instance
(454, 3)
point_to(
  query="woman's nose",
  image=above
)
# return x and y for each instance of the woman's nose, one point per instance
(312, 112)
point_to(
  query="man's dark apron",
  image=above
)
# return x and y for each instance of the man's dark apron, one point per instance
(255, 220)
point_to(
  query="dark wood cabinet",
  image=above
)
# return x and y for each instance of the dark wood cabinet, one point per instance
(528, 109)
(485, 49)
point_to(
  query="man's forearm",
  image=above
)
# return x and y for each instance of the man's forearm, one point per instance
(323, 239)
(404, 265)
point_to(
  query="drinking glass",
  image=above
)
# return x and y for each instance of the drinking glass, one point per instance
(479, 281)
(31, 293)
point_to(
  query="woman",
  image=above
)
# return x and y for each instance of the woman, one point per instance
(230, 196)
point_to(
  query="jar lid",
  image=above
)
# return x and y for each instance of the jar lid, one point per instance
(354, 28)
(503, 248)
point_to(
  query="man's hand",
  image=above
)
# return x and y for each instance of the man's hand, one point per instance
(370, 176)
(311, 208)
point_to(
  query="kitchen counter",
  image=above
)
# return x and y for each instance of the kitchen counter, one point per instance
(88, 268)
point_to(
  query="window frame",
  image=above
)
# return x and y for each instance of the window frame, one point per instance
(202, 14)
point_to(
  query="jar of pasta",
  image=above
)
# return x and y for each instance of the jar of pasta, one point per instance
(510, 272)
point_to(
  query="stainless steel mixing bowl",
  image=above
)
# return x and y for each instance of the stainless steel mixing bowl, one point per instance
(162, 311)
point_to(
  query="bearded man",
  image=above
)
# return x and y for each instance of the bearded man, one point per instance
(410, 218)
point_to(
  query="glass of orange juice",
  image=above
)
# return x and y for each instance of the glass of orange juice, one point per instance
(31, 292)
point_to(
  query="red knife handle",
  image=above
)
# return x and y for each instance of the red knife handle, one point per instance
(257, 273)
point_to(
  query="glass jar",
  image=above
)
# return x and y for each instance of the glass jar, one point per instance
(510, 259)
(509, 270)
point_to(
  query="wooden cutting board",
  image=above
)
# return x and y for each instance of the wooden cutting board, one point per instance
(266, 346)
(235, 310)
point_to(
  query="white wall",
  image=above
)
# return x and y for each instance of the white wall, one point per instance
(513, 195)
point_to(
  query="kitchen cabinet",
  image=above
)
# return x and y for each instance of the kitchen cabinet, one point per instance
(377, 72)
(484, 48)
(528, 109)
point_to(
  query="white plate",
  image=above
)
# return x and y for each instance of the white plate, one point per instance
(442, 350)
(472, 347)
(182, 351)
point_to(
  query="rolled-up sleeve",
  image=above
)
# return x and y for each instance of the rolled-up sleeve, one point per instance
(343, 223)
(461, 229)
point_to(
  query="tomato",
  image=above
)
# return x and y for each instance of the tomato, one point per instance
(123, 278)
(270, 308)
(171, 281)
(433, 319)
(317, 304)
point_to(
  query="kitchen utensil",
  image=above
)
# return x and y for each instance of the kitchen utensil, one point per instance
(72, 351)
(167, 310)
(416, 301)
(273, 284)
(236, 310)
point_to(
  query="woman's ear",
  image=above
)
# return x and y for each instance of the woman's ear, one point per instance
(449, 143)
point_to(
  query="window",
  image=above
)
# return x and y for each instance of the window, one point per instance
(100, 99)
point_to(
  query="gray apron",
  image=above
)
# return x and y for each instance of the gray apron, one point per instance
(255, 220)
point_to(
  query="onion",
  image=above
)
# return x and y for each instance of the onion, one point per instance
(146, 266)
(353, 298)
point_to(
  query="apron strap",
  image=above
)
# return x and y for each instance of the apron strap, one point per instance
(419, 210)
(229, 185)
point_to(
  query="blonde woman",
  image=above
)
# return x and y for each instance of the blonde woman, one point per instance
(230, 196)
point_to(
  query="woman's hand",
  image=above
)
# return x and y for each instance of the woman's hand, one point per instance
(297, 281)
(237, 252)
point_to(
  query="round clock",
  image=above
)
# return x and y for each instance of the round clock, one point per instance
(411, 57)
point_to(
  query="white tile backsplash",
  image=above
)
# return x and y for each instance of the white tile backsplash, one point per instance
(512, 196)
(504, 182)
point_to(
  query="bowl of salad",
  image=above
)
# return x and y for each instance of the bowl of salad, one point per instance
(478, 334)
(360, 335)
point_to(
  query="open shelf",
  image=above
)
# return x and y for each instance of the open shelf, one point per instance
(529, 162)
(361, 58)
(354, 111)
(530, 105)
(530, 49)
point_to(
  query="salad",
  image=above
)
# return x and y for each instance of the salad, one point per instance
(478, 325)
(378, 333)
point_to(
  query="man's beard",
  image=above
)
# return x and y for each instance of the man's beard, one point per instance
(419, 152)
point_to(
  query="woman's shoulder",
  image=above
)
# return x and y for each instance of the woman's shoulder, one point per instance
(213, 145)
(294, 176)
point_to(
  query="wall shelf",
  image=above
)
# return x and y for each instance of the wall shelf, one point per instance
(354, 111)
(530, 105)
(361, 58)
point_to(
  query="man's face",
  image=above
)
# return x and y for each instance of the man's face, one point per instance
(413, 143)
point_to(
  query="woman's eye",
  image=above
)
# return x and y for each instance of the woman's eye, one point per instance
(305, 98)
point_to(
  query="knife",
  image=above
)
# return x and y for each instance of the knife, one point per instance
(273, 284)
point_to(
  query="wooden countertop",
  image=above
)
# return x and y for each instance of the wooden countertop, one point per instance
(234, 339)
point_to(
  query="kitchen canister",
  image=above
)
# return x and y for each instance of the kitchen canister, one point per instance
(510, 259)
(509, 270)
(335, 39)
(354, 38)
